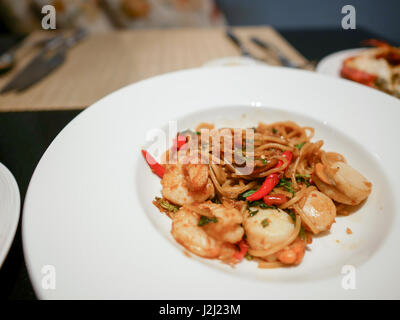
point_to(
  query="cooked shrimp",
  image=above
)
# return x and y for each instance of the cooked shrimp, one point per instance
(186, 231)
(228, 227)
(293, 254)
(197, 176)
(375, 67)
(318, 212)
(267, 229)
(367, 62)
(341, 182)
(183, 189)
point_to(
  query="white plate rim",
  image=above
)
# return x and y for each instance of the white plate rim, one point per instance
(15, 212)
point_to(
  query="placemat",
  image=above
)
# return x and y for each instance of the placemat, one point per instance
(108, 61)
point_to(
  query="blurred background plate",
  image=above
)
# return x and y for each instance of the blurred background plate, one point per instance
(9, 210)
(331, 65)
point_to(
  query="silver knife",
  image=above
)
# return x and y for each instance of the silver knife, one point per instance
(46, 61)
(13, 83)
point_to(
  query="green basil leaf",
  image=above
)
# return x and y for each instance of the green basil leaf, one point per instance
(300, 145)
(303, 178)
(302, 233)
(252, 213)
(261, 204)
(166, 205)
(287, 184)
(247, 193)
(292, 215)
(205, 220)
(248, 256)
(265, 223)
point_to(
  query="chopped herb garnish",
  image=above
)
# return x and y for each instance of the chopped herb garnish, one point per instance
(292, 215)
(302, 234)
(263, 161)
(303, 178)
(265, 223)
(248, 256)
(166, 205)
(287, 184)
(259, 203)
(204, 220)
(247, 193)
(300, 145)
(252, 213)
(274, 130)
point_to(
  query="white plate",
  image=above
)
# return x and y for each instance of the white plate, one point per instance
(332, 64)
(88, 212)
(9, 210)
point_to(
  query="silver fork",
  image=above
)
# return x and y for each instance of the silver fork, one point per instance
(281, 57)
(244, 52)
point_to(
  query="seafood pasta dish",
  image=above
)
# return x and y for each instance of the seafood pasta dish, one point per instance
(377, 67)
(258, 193)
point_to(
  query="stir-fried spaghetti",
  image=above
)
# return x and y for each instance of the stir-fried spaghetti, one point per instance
(258, 193)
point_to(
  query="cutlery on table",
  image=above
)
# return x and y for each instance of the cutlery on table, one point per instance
(47, 60)
(8, 58)
(281, 57)
(244, 52)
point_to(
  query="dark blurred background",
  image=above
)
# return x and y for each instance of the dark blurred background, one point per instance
(301, 22)
(379, 17)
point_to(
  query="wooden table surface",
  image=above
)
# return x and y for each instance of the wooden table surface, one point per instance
(105, 62)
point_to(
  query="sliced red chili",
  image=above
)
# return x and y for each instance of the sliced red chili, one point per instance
(288, 155)
(270, 181)
(243, 247)
(178, 142)
(157, 168)
(311, 181)
(275, 199)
